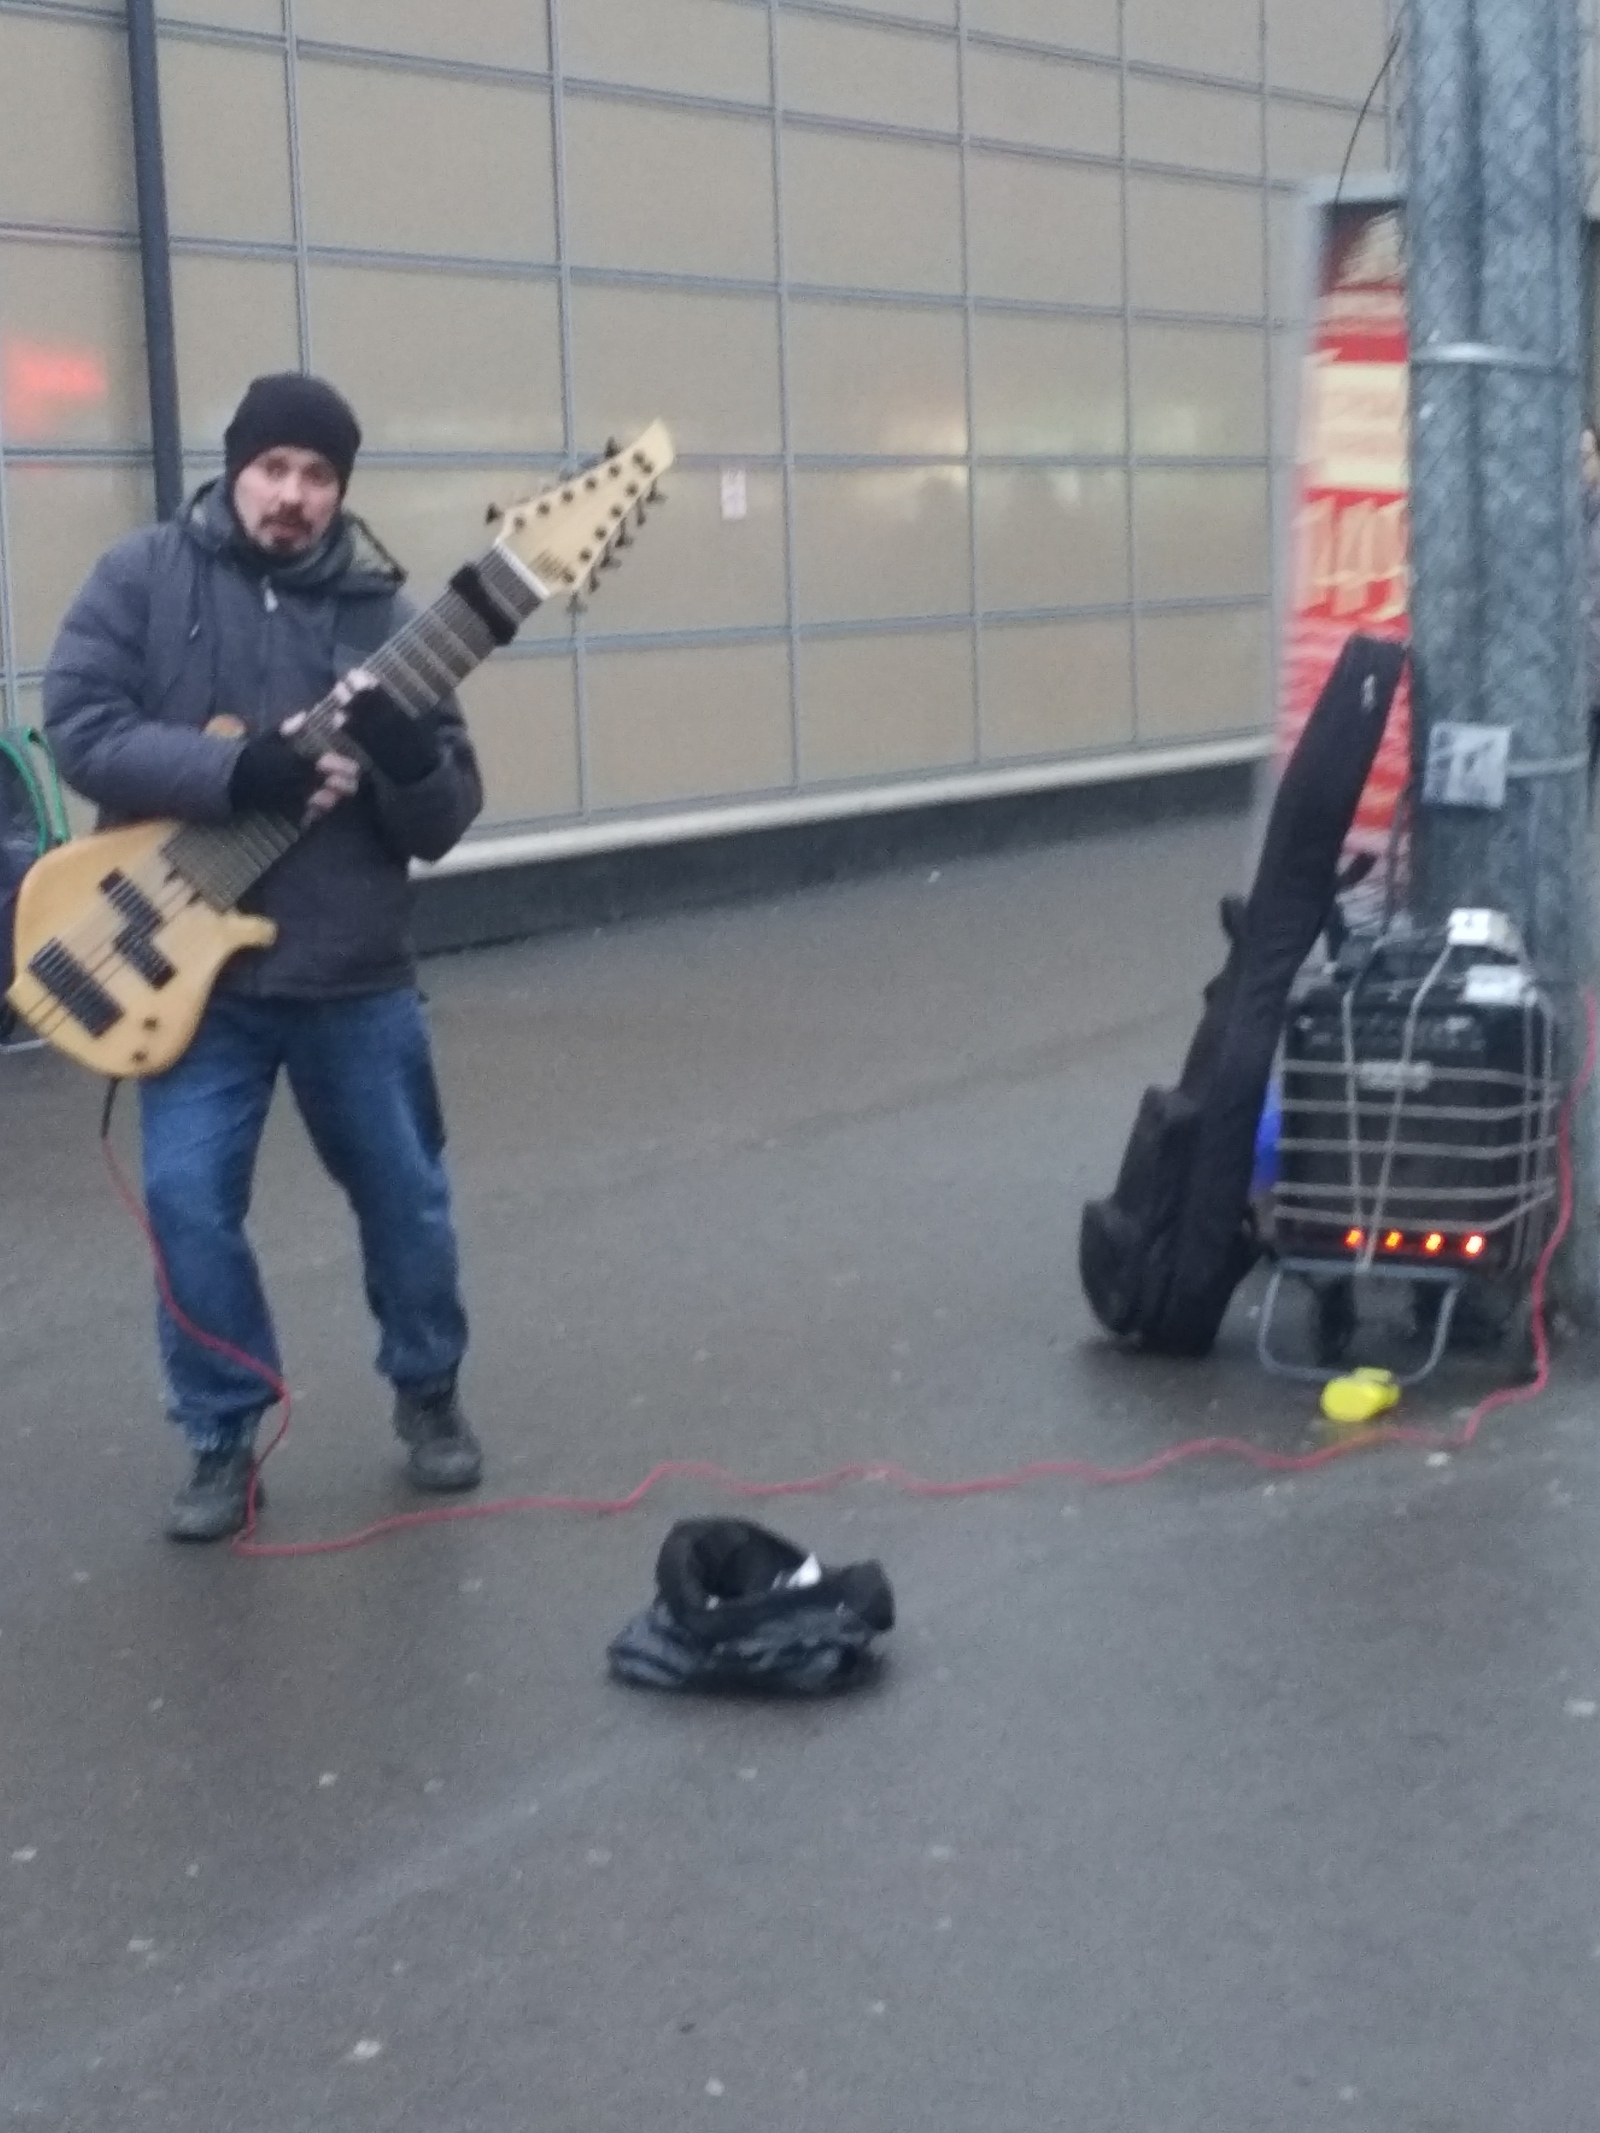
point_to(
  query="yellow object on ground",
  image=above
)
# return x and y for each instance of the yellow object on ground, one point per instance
(1353, 1401)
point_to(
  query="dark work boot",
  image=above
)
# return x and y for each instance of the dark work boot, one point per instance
(443, 1454)
(215, 1500)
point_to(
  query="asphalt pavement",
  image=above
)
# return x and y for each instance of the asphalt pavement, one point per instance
(1215, 1804)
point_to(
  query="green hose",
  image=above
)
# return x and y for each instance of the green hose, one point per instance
(25, 750)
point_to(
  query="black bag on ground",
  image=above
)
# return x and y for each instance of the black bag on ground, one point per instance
(1162, 1256)
(739, 1607)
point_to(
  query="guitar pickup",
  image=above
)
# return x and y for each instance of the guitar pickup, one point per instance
(130, 901)
(135, 943)
(141, 954)
(73, 988)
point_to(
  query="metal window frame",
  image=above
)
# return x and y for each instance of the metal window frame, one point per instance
(780, 254)
(301, 253)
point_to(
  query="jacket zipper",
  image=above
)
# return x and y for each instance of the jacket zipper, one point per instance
(269, 603)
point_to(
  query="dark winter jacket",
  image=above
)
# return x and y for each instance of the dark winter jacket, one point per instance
(181, 622)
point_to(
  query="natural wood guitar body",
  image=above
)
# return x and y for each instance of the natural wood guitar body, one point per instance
(158, 1013)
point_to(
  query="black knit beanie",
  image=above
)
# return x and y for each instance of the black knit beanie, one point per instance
(287, 408)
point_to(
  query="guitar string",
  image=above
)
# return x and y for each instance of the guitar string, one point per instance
(512, 593)
(94, 942)
(95, 948)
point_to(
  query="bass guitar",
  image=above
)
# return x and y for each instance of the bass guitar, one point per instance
(120, 936)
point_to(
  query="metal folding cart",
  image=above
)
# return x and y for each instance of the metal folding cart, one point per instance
(1419, 1138)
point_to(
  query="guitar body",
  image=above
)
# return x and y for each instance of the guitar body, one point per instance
(158, 1012)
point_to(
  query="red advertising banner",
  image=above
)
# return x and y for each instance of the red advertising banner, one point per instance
(1347, 568)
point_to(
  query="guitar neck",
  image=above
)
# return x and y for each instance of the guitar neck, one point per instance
(417, 667)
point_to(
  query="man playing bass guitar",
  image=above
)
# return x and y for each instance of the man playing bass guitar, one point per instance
(261, 597)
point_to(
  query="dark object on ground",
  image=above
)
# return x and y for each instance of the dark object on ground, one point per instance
(1160, 1258)
(739, 1607)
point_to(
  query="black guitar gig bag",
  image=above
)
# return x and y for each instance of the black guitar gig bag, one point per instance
(1161, 1257)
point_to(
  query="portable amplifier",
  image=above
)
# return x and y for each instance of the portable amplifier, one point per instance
(1419, 1111)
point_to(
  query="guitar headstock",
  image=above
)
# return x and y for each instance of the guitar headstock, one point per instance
(568, 534)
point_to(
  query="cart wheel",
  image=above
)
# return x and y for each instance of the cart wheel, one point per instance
(1518, 1353)
(1335, 1303)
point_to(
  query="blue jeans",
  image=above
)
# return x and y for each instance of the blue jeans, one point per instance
(362, 1076)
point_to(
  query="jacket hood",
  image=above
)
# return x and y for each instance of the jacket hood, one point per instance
(349, 558)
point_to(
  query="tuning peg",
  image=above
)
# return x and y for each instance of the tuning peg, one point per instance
(613, 447)
(624, 537)
(494, 515)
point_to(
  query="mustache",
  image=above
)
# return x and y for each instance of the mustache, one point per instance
(285, 529)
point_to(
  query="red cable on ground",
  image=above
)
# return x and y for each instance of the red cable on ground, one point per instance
(910, 1484)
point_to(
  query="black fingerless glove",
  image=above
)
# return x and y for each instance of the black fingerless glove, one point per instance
(404, 748)
(271, 778)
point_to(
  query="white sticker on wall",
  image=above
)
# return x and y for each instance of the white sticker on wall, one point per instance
(735, 495)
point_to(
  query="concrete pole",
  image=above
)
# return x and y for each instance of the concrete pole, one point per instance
(1494, 281)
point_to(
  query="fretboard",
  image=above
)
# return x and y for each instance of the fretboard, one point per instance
(418, 666)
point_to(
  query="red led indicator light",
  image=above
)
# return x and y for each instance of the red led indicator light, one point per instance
(1474, 1247)
(1393, 1241)
(1354, 1239)
(1433, 1242)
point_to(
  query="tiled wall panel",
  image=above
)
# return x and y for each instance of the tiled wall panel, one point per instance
(969, 316)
